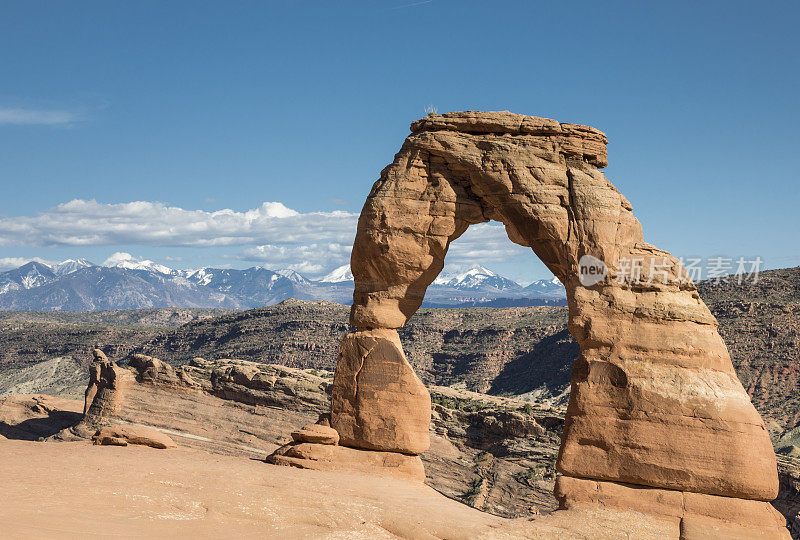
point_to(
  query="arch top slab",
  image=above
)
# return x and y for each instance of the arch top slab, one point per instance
(654, 399)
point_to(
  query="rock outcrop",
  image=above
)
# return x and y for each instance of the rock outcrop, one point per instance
(266, 384)
(106, 390)
(316, 433)
(654, 402)
(33, 417)
(327, 457)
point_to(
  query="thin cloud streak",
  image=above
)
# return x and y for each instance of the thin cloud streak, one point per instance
(37, 117)
(413, 4)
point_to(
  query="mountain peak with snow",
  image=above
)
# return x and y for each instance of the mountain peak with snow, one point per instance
(71, 265)
(474, 277)
(292, 276)
(549, 287)
(339, 275)
(29, 275)
(129, 262)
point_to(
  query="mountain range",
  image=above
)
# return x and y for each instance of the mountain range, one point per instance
(123, 282)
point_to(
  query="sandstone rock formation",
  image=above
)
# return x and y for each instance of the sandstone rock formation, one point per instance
(122, 435)
(152, 370)
(97, 370)
(655, 400)
(695, 515)
(265, 384)
(106, 389)
(377, 401)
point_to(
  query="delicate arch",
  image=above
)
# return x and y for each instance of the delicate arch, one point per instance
(655, 400)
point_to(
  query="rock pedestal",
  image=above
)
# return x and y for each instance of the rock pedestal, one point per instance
(316, 447)
(377, 401)
(692, 515)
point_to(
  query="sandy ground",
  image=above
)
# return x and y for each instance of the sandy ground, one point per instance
(77, 490)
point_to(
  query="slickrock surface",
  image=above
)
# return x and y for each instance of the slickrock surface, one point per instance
(654, 399)
(78, 489)
(327, 457)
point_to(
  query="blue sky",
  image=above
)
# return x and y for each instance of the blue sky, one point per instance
(172, 123)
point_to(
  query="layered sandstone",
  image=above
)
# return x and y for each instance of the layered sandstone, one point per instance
(655, 400)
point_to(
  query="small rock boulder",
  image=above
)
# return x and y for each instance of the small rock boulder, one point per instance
(119, 435)
(316, 433)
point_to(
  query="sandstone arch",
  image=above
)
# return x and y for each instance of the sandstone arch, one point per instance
(655, 401)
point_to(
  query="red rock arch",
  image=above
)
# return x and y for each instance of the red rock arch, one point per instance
(655, 400)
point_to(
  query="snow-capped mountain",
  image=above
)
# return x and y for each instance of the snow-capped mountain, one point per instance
(201, 276)
(293, 276)
(545, 284)
(339, 275)
(129, 262)
(27, 276)
(71, 265)
(255, 286)
(477, 277)
(127, 282)
(548, 288)
(101, 288)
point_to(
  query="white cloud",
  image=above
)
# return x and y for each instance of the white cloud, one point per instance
(271, 235)
(90, 223)
(37, 117)
(120, 257)
(311, 260)
(485, 243)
